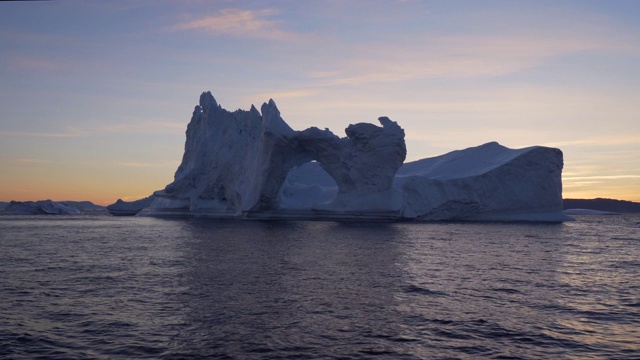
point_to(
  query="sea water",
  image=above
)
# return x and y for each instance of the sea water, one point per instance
(114, 287)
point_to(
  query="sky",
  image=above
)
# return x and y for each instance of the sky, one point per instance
(95, 96)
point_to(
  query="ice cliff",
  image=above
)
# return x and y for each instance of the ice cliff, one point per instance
(251, 164)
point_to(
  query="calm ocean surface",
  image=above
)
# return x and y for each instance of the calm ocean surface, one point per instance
(109, 287)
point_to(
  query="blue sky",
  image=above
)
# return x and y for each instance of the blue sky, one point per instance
(95, 96)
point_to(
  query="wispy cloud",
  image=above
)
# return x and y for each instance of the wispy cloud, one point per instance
(152, 126)
(449, 57)
(28, 160)
(284, 94)
(241, 23)
(32, 63)
(134, 126)
(616, 140)
(163, 164)
(578, 184)
(601, 177)
(70, 133)
(323, 74)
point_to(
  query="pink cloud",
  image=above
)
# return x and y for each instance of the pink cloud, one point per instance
(240, 23)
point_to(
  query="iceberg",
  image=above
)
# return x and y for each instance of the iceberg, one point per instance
(129, 208)
(251, 164)
(49, 207)
(488, 182)
(42, 207)
(85, 207)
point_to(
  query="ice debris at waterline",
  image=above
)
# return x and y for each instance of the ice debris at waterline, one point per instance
(251, 164)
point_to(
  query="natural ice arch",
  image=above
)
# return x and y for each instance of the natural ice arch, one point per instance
(236, 162)
(363, 163)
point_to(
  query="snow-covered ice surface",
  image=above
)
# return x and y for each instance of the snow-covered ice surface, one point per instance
(251, 164)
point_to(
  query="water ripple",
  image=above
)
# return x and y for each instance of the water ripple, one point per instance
(121, 288)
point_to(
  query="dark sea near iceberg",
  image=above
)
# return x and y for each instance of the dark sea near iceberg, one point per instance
(108, 287)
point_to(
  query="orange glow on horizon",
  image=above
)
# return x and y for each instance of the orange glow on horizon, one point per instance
(107, 192)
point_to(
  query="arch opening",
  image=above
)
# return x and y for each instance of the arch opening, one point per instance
(307, 185)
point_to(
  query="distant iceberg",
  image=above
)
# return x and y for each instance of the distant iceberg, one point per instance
(43, 207)
(129, 208)
(251, 164)
(49, 207)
